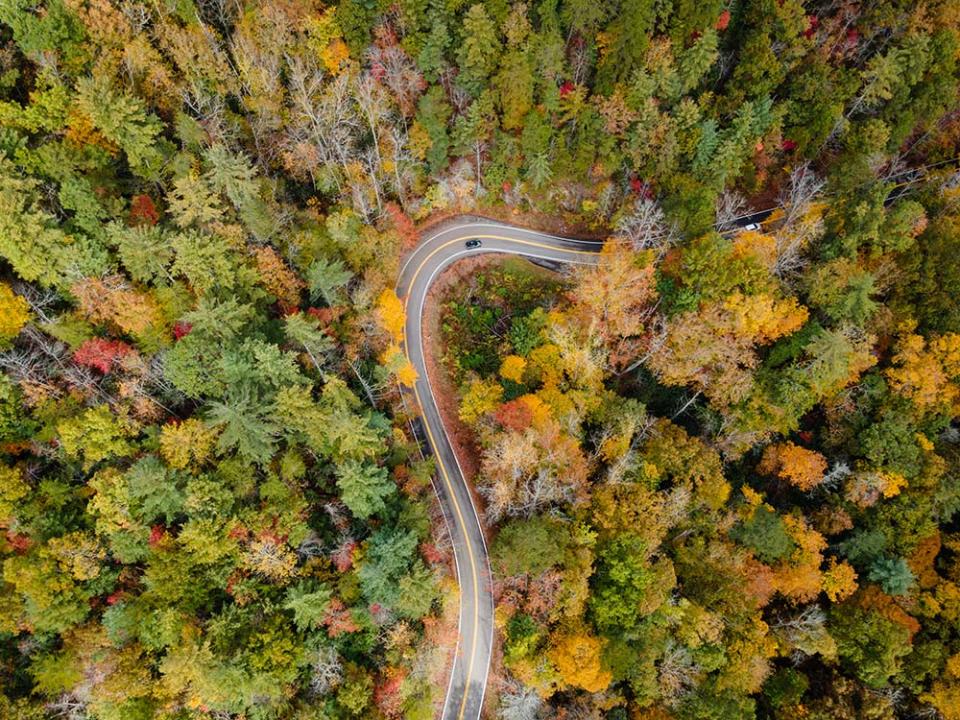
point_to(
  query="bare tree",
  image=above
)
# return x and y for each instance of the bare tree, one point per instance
(68, 707)
(834, 476)
(373, 105)
(403, 162)
(657, 340)
(677, 673)
(731, 206)
(805, 632)
(323, 118)
(393, 67)
(801, 188)
(645, 227)
(518, 702)
(800, 227)
(311, 546)
(326, 670)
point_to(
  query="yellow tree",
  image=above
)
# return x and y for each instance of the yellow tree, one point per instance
(713, 349)
(512, 368)
(923, 372)
(839, 580)
(14, 314)
(802, 468)
(577, 659)
(615, 300)
(391, 314)
(397, 363)
(13, 488)
(944, 694)
(188, 443)
(481, 397)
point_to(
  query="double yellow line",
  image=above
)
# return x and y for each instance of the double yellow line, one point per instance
(443, 469)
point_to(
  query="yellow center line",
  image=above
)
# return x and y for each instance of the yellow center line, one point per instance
(433, 442)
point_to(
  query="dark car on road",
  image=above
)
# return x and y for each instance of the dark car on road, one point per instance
(472, 244)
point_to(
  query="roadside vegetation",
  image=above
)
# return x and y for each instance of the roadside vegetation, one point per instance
(722, 467)
(498, 309)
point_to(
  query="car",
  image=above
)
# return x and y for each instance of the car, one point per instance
(470, 244)
(751, 226)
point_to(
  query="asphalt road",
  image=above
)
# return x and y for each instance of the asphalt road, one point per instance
(436, 251)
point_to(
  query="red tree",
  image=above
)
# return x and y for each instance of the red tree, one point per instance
(181, 330)
(101, 354)
(338, 619)
(143, 211)
(514, 415)
(402, 224)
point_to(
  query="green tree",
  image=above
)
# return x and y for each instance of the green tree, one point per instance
(765, 534)
(193, 202)
(696, 60)
(626, 587)
(123, 119)
(473, 130)
(870, 645)
(145, 250)
(305, 334)
(308, 601)
(30, 239)
(528, 546)
(364, 488)
(627, 36)
(514, 87)
(327, 279)
(245, 427)
(431, 58)
(892, 574)
(479, 50)
(389, 553)
(433, 111)
(231, 174)
(56, 32)
(206, 261)
(891, 443)
(935, 278)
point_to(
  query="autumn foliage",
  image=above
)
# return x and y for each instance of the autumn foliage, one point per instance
(102, 354)
(578, 661)
(14, 313)
(715, 456)
(802, 468)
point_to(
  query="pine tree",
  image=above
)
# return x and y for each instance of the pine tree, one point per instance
(122, 119)
(326, 280)
(479, 50)
(245, 427)
(364, 487)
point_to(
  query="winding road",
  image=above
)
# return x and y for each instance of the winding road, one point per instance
(436, 251)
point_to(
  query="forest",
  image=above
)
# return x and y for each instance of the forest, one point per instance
(720, 471)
